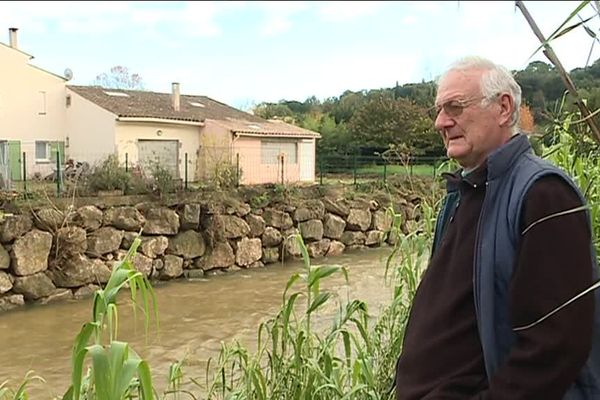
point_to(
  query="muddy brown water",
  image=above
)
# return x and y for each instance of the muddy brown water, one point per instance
(194, 317)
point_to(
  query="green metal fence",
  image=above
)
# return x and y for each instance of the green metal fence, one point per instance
(356, 167)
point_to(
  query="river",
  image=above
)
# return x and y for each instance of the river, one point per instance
(195, 316)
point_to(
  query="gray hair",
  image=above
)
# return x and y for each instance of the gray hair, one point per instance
(496, 79)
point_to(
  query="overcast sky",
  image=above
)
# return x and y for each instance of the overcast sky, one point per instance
(244, 53)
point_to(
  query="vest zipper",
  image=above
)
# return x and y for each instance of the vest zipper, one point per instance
(476, 272)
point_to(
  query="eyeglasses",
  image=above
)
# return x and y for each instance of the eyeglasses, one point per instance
(453, 108)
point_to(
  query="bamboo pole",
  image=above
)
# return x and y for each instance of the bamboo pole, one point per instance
(564, 75)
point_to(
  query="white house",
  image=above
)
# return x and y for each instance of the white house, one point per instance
(32, 113)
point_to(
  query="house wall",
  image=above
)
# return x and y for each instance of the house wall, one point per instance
(90, 130)
(32, 107)
(254, 171)
(215, 152)
(129, 133)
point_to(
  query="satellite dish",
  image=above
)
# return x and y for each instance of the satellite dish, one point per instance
(68, 74)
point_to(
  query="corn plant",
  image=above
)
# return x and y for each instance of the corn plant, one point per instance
(20, 393)
(583, 166)
(352, 358)
(116, 371)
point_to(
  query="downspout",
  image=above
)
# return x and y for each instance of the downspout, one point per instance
(234, 158)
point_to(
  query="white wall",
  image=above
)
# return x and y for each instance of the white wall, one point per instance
(128, 134)
(90, 130)
(32, 105)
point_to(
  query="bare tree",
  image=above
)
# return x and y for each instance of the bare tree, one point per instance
(119, 77)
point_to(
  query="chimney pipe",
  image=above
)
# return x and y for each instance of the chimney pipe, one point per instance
(12, 34)
(175, 96)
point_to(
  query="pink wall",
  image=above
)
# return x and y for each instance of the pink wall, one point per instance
(254, 172)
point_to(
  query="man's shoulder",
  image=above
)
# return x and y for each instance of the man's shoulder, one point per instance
(533, 167)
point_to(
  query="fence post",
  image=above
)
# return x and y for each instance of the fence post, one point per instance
(321, 171)
(126, 162)
(282, 165)
(58, 174)
(384, 172)
(24, 161)
(354, 168)
(185, 182)
(237, 169)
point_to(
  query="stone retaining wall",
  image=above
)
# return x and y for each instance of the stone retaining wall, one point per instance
(53, 255)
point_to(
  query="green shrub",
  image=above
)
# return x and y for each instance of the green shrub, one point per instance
(225, 175)
(108, 175)
(161, 180)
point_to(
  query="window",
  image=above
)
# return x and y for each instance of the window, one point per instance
(42, 151)
(272, 150)
(116, 94)
(68, 101)
(42, 103)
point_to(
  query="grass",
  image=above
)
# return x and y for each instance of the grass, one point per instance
(419, 170)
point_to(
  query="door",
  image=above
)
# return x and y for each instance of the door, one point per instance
(165, 152)
(4, 166)
(14, 159)
(307, 160)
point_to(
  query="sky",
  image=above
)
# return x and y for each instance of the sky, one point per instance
(245, 53)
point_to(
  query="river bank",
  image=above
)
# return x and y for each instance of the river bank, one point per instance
(66, 250)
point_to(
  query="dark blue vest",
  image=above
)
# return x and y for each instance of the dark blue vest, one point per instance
(512, 169)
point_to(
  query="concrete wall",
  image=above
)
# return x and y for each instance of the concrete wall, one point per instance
(129, 133)
(90, 130)
(215, 152)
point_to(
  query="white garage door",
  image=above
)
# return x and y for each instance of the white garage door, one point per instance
(166, 152)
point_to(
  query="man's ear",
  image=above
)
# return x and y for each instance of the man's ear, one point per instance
(507, 106)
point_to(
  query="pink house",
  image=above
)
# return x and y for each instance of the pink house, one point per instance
(271, 151)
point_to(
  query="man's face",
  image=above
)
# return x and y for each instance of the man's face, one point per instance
(470, 130)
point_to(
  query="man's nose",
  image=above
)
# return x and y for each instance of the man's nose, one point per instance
(443, 121)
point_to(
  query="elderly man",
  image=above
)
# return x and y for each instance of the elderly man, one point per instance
(481, 324)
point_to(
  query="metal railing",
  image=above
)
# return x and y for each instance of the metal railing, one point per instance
(354, 167)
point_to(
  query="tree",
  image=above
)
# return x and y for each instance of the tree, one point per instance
(526, 124)
(334, 137)
(119, 77)
(343, 109)
(273, 110)
(383, 121)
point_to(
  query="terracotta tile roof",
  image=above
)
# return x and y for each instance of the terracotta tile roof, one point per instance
(139, 103)
(142, 104)
(274, 128)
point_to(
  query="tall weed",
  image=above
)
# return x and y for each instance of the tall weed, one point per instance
(583, 166)
(353, 358)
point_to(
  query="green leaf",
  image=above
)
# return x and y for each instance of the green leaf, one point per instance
(318, 273)
(318, 301)
(558, 31)
(289, 284)
(304, 251)
(101, 371)
(145, 380)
